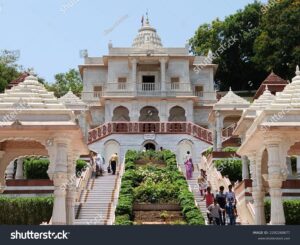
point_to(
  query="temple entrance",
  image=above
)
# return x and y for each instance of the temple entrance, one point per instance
(150, 146)
(148, 83)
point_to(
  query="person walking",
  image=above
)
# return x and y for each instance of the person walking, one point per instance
(230, 211)
(113, 162)
(189, 167)
(99, 164)
(221, 199)
(209, 199)
(202, 182)
(214, 210)
(230, 197)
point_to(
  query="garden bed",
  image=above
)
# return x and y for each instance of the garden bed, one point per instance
(150, 185)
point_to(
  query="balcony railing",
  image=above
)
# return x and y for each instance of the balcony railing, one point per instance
(149, 127)
(91, 96)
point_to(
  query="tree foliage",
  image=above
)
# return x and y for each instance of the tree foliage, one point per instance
(266, 38)
(64, 82)
(9, 70)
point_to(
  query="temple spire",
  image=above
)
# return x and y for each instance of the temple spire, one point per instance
(147, 18)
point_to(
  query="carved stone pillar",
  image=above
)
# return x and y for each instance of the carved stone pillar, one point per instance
(275, 177)
(258, 193)
(133, 75)
(10, 170)
(163, 62)
(259, 206)
(219, 129)
(19, 171)
(245, 170)
(163, 114)
(214, 137)
(2, 171)
(60, 180)
(298, 166)
(108, 111)
(289, 167)
(71, 188)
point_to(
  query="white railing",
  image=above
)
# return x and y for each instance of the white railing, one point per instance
(198, 93)
(92, 96)
(115, 196)
(180, 87)
(119, 87)
(149, 87)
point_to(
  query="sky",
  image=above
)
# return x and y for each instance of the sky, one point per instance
(50, 34)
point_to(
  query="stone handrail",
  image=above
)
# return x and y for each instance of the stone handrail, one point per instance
(228, 131)
(83, 181)
(115, 196)
(109, 128)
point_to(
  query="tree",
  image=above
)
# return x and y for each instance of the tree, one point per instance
(278, 45)
(9, 70)
(264, 40)
(64, 82)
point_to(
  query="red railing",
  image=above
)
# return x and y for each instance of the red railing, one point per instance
(149, 127)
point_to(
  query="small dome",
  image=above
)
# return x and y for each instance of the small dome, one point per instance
(147, 37)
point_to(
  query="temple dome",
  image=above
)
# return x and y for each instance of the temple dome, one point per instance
(147, 37)
(231, 100)
(31, 92)
(71, 101)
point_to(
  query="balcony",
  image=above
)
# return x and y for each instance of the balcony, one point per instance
(150, 128)
(148, 89)
(91, 96)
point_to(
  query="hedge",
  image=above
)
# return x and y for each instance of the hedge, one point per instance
(230, 167)
(25, 211)
(37, 168)
(151, 184)
(291, 210)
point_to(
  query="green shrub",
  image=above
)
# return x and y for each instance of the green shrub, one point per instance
(25, 211)
(80, 167)
(36, 168)
(208, 151)
(230, 149)
(230, 167)
(291, 211)
(123, 220)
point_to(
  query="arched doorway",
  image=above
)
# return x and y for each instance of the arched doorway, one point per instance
(177, 114)
(149, 114)
(182, 148)
(111, 147)
(150, 146)
(121, 113)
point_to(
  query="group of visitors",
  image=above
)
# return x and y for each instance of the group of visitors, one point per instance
(221, 206)
(99, 166)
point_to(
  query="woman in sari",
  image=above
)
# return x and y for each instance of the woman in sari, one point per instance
(189, 167)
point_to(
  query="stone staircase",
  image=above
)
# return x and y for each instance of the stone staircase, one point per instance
(194, 187)
(95, 203)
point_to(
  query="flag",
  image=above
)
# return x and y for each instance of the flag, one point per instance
(142, 20)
